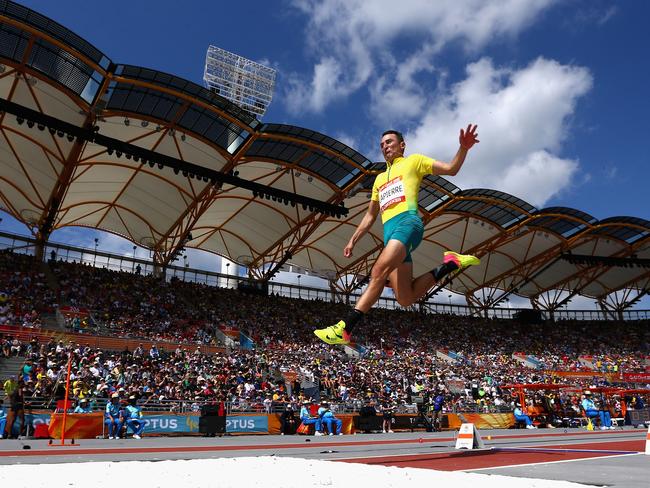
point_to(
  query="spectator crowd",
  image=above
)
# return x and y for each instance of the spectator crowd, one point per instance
(397, 364)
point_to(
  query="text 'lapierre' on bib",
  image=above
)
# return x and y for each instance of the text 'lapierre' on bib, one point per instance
(391, 192)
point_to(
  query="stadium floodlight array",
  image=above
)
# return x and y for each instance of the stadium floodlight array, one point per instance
(244, 82)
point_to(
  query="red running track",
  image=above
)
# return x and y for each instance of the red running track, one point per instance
(468, 460)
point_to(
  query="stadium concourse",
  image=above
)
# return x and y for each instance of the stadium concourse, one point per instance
(168, 165)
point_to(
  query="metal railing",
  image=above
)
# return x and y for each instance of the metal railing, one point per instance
(231, 408)
(131, 264)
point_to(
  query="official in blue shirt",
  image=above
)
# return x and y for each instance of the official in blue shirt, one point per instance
(134, 418)
(333, 424)
(3, 419)
(112, 417)
(591, 411)
(306, 418)
(520, 416)
(83, 407)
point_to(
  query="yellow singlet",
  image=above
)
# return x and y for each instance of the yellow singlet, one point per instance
(396, 189)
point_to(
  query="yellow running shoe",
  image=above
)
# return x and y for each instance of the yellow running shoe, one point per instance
(462, 260)
(334, 334)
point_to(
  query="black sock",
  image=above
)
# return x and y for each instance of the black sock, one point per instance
(353, 319)
(443, 270)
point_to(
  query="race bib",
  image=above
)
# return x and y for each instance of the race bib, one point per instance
(391, 193)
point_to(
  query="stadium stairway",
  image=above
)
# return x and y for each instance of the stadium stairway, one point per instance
(49, 321)
(52, 281)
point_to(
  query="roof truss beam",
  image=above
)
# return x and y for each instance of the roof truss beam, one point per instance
(587, 274)
(140, 154)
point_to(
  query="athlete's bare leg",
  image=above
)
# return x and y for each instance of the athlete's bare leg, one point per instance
(390, 258)
(390, 264)
(408, 290)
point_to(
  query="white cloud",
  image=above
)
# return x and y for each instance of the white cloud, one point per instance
(608, 14)
(523, 113)
(523, 117)
(352, 38)
(396, 95)
(347, 139)
(331, 81)
(538, 177)
(590, 15)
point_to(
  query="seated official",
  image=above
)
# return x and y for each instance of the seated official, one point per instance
(134, 417)
(83, 407)
(592, 411)
(520, 416)
(334, 425)
(307, 419)
(3, 419)
(113, 417)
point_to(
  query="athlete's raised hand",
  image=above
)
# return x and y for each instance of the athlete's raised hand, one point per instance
(468, 137)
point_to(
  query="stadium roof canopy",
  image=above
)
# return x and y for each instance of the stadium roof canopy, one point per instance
(52, 178)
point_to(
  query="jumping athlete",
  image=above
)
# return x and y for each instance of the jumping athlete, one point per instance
(395, 195)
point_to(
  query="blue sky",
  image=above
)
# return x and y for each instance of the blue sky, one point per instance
(558, 88)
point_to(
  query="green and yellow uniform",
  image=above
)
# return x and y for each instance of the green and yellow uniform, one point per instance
(396, 190)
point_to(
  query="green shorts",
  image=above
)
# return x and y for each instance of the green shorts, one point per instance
(408, 229)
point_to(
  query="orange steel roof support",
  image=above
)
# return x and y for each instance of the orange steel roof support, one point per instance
(613, 302)
(635, 281)
(592, 274)
(183, 225)
(528, 267)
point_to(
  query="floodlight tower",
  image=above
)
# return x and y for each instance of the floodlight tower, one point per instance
(242, 81)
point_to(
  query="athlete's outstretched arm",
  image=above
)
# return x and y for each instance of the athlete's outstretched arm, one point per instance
(467, 139)
(364, 226)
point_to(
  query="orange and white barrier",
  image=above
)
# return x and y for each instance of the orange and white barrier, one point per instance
(647, 442)
(469, 438)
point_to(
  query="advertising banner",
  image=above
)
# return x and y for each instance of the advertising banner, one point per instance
(32, 420)
(77, 425)
(246, 342)
(89, 426)
(80, 312)
(481, 420)
(611, 377)
(251, 424)
(167, 424)
(636, 377)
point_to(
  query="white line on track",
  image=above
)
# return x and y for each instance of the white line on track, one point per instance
(380, 456)
(554, 462)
